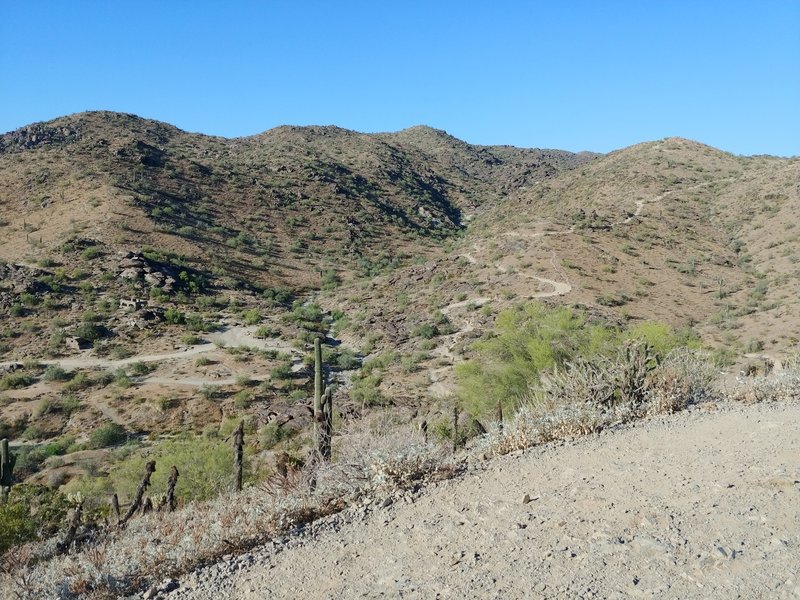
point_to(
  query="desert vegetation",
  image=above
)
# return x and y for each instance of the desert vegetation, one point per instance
(166, 288)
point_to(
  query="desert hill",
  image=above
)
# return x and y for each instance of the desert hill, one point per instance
(273, 209)
(159, 288)
(167, 281)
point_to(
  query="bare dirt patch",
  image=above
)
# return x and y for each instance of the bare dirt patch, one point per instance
(697, 505)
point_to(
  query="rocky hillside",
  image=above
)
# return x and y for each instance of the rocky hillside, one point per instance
(280, 208)
(161, 281)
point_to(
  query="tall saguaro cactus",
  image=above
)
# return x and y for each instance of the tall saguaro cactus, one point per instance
(323, 406)
(7, 461)
(238, 446)
(318, 387)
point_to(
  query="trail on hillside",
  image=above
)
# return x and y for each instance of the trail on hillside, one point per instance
(233, 336)
(700, 504)
(466, 323)
(439, 387)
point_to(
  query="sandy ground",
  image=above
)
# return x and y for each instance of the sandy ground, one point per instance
(703, 504)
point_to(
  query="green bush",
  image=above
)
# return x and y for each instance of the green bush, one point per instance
(79, 381)
(91, 253)
(366, 390)
(110, 434)
(531, 339)
(140, 369)
(174, 316)
(282, 372)
(273, 434)
(208, 392)
(347, 360)
(121, 378)
(308, 316)
(89, 331)
(426, 331)
(14, 381)
(32, 511)
(265, 331)
(205, 466)
(243, 399)
(275, 296)
(251, 317)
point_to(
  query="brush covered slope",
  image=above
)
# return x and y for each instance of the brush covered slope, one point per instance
(156, 281)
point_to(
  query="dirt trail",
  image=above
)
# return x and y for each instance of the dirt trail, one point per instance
(228, 336)
(440, 385)
(703, 504)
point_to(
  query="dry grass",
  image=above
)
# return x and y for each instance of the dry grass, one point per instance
(117, 562)
(372, 457)
(586, 397)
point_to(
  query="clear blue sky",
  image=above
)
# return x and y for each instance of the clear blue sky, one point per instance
(594, 75)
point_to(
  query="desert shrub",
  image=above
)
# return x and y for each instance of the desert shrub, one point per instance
(166, 403)
(57, 339)
(527, 340)
(16, 526)
(426, 331)
(190, 339)
(121, 378)
(89, 331)
(308, 316)
(587, 395)
(70, 403)
(14, 381)
(79, 381)
(282, 372)
(107, 435)
(273, 434)
(330, 279)
(91, 253)
(347, 359)
(243, 399)
(205, 466)
(366, 391)
(380, 362)
(196, 322)
(30, 458)
(104, 378)
(532, 339)
(265, 331)
(208, 392)
(274, 296)
(662, 338)
(32, 511)
(244, 380)
(174, 316)
(121, 352)
(251, 317)
(140, 369)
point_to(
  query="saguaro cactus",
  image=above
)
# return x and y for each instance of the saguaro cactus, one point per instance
(323, 406)
(238, 447)
(7, 461)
